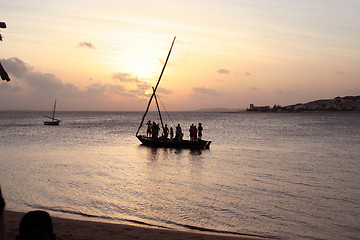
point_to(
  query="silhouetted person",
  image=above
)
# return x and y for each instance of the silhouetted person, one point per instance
(178, 133)
(149, 128)
(200, 129)
(36, 225)
(193, 132)
(166, 131)
(155, 130)
(171, 134)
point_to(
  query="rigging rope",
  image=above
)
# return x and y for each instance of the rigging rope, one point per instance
(165, 110)
(157, 115)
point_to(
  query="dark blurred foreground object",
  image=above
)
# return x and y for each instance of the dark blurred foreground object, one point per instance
(2, 25)
(2, 217)
(2, 203)
(3, 73)
(36, 225)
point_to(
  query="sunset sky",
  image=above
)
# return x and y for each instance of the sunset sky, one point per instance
(106, 55)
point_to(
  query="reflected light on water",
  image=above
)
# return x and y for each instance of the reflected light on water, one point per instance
(279, 174)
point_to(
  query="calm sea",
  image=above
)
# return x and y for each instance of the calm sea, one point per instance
(292, 176)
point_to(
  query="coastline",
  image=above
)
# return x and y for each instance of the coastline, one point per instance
(65, 228)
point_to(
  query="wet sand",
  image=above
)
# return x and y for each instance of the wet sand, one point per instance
(66, 229)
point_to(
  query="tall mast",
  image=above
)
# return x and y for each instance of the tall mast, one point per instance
(53, 115)
(154, 91)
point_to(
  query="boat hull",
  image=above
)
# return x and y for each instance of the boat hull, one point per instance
(52, 123)
(166, 143)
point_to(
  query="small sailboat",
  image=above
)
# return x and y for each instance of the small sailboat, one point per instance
(162, 141)
(53, 121)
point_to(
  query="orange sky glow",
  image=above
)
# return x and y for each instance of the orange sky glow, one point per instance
(106, 55)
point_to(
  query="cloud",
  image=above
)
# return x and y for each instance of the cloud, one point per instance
(125, 77)
(9, 88)
(99, 89)
(143, 86)
(117, 89)
(206, 91)
(46, 84)
(16, 67)
(33, 89)
(223, 71)
(164, 90)
(136, 92)
(96, 89)
(340, 73)
(86, 45)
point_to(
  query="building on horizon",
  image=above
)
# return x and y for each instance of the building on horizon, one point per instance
(258, 108)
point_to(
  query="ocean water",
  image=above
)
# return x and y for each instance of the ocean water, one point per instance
(286, 175)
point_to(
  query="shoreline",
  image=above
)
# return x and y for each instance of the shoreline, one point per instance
(66, 228)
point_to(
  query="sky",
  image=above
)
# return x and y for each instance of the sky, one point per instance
(107, 55)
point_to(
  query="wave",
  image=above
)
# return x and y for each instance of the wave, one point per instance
(101, 217)
(143, 223)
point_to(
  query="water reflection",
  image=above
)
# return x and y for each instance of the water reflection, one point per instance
(183, 156)
(155, 154)
(282, 173)
(195, 152)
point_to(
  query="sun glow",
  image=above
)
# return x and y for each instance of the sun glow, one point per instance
(141, 59)
(139, 67)
(142, 66)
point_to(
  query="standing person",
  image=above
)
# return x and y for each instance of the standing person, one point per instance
(181, 134)
(2, 218)
(149, 128)
(166, 131)
(195, 132)
(171, 134)
(191, 131)
(155, 130)
(178, 133)
(200, 129)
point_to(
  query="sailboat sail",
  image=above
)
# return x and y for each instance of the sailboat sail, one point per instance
(53, 121)
(53, 114)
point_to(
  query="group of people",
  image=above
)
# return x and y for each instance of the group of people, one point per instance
(195, 133)
(153, 131)
(34, 225)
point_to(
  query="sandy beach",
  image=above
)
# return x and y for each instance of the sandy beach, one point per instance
(78, 229)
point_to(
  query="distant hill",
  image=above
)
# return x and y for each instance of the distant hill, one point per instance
(348, 103)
